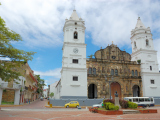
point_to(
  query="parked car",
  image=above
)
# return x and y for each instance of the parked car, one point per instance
(41, 98)
(99, 105)
(72, 104)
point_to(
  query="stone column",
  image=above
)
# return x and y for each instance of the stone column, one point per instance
(16, 97)
(117, 102)
(1, 93)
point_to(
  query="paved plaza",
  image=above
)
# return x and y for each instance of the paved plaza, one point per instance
(38, 111)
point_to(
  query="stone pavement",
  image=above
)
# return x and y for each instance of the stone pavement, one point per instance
(37, 111)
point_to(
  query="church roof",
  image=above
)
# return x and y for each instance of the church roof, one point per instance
(74, 15)
(139, 23)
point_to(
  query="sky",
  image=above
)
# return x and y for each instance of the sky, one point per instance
(40, 23)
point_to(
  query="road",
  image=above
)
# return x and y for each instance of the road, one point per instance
(37, 111)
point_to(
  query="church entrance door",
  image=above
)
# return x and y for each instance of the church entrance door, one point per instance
(136, 91)
(92, 91)
(115, 87)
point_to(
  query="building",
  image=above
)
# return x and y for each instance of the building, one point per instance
(52, 89)
(143, 50)
(113, 68)
(45, 91)
(30, 93)
(73, 83)
(11, 92)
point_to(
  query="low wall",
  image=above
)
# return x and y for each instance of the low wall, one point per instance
(82, 102)
(157, 100)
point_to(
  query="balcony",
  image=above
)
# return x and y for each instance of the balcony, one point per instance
(10, 86)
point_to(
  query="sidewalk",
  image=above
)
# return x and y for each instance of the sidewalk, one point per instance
(18, 105)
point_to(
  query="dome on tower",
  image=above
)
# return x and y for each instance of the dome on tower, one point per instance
(139, 23)
(74, 15)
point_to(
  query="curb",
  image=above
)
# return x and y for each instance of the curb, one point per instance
(65, 107)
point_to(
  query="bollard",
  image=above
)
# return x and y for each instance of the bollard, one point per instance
(50, 105)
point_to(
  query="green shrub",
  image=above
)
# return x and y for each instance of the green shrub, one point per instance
(116, 107)
(111, 106)
(106, 105)
(132, 105)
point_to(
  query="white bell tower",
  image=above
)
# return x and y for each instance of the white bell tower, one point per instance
(74, 71)
(143, 49)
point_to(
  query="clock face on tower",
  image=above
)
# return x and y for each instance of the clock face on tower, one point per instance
(75, 50)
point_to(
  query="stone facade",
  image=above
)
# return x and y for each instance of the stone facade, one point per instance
(8, 95)
(109, 62)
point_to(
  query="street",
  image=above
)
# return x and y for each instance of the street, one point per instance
(37, 111)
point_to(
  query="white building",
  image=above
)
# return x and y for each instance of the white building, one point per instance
(45, 91)
(53, 89)
(14, 87)
(143, 49)
(73, 83)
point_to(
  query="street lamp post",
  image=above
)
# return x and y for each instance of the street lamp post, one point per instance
(109, 84)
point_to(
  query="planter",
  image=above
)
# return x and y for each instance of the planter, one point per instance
(148, 111)
(109, 112)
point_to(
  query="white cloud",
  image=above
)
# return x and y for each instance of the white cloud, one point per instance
(40, 22)
(54, 73)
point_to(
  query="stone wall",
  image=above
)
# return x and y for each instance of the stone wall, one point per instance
(8, 95)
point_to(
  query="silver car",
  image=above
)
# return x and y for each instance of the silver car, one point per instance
(99, 105)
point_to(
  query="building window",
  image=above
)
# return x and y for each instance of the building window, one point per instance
(75, 23)
(152, 81)
(136, 73)
(147, 42)
(116, 72)
(75, 35)
(94, 71)
(150, 67)
(90, 70)
(112, 72)
(134, 44)
(75, 61)
(75, 78)
(103, 87)
(132, 72)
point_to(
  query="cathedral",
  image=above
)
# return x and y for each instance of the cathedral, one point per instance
(111, 70)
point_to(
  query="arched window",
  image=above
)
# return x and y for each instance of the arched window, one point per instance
(150, 67)
(132, 72)
(136, 74)
(90, 70)
(134, 44)
(147, 42)
(75, 35)
(112, 72)
(116, 72)
(94, 70)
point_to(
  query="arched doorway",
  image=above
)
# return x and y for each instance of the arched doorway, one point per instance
(92, 91)
(115, 86)
(136, 91)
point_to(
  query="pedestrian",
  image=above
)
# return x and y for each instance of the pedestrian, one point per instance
(29, 101)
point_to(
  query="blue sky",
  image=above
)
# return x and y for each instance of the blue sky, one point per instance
(40, 23)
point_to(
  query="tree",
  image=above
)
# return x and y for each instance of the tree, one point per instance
(16, 56)
(51, 94)
(40, 84)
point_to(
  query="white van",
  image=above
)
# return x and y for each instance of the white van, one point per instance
(141, 101)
